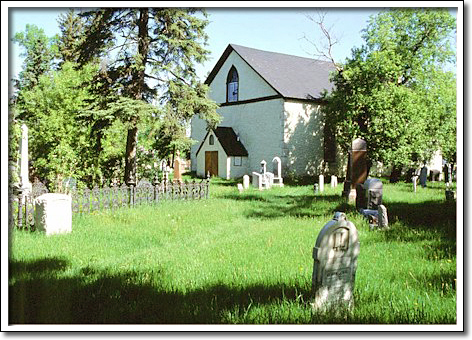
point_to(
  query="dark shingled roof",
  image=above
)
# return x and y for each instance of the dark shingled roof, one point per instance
(229, 141)
(290, 76)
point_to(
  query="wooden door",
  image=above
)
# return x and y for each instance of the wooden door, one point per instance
(211, 163)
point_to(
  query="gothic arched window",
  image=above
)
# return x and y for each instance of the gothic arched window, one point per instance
(232, 85)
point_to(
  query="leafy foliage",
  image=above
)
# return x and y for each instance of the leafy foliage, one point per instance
(393, 91)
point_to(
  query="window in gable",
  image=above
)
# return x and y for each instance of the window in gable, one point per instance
(232, 85)
(211, 140)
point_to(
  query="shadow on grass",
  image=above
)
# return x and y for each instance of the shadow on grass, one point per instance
(123, 298)
(437, 217)
(100, 297)
(278, 206)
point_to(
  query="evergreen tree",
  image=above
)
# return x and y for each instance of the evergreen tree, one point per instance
(38, 53)
(153, 52)
(71, 37)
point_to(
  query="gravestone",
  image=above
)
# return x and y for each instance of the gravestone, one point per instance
(335, 263)
(278, 180)
(257, 180)
(382, 217)
(25, 185)
(177, 171)
(321, 183)
(263, 180)
(53, 213)
(245, 181)
(414, 179)
(316, 188)
(357, 168)
(374, 192)
(334, 181)
(240, 187)
(423, 176)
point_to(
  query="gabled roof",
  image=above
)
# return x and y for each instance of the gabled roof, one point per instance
(228, 140)
(290, 76)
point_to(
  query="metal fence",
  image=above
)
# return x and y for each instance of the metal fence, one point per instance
(113, 197)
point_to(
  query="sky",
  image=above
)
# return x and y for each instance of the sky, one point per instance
(272, 29)
(278, 29)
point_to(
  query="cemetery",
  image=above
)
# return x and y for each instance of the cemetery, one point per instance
(244, 256)
(280, 190)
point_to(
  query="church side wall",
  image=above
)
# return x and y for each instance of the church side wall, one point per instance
(303, 138)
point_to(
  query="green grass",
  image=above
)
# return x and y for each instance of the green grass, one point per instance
(236, 259)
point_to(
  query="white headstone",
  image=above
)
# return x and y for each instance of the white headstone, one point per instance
(278, 180)
(24, 175)
(240, 187)
(335, 263)
(245, 181)
(321, 183)
(263, 167)
(414, 179)
(382, 217)
(257, 180)
(334, 181)
(53, 213)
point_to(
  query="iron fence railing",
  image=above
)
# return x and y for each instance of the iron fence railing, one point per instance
(113, 197)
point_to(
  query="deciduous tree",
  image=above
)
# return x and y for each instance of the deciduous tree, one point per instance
(394, 91)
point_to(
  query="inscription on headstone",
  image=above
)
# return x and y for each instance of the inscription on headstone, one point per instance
(335, 263)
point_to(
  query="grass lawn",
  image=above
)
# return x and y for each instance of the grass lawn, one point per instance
(236, 259)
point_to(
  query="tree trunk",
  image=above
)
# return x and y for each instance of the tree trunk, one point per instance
(138, 89)
(395, 174)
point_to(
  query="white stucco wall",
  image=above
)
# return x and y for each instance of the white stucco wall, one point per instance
(303, 138)
(251, 85)
(259, 123)
(289, 129)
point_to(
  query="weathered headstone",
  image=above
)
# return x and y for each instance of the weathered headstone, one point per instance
(245, 181)
(316, 188)
(357, 168)
(335, 263)
(177, 171)
(423, 176)
(334, 181)
(321, 183)
(240, 187)
(374, 192)
(53, 213)
(382, 217)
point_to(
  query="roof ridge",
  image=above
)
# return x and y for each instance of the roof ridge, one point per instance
(281, 53)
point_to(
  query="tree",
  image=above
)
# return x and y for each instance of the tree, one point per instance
(71, 37)
(392, 92)
(59, 138)
(38, 53)
(158, 45)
